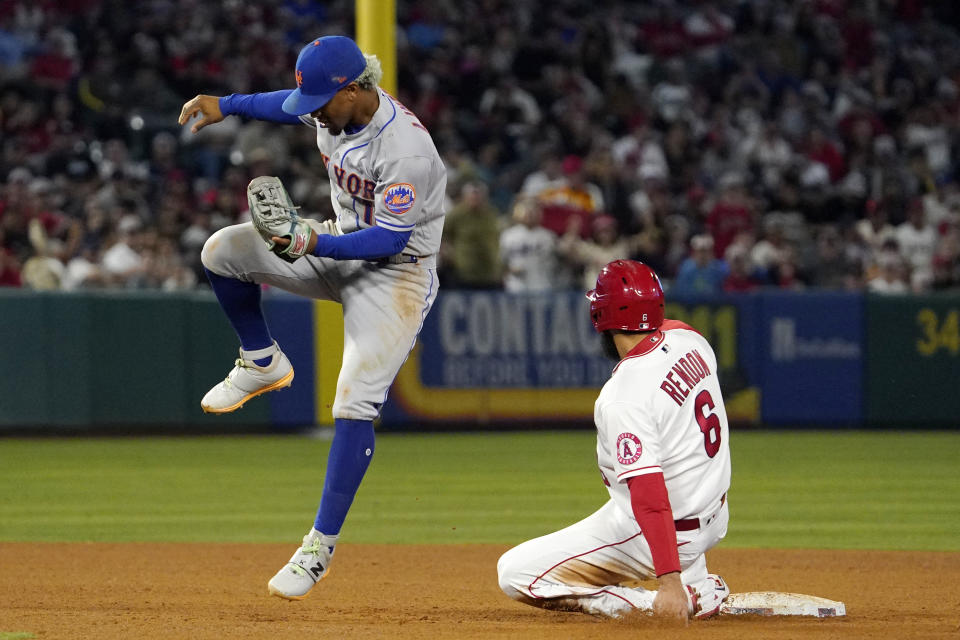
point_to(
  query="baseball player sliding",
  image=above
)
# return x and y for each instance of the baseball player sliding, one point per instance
(377, 259)
(663, 452)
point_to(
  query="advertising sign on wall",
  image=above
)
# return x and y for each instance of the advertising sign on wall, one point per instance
(494, 357)
(812, 367)
(489, 356)
(913, 374)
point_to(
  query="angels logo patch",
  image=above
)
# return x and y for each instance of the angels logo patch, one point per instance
(628, 448)
(398, 198)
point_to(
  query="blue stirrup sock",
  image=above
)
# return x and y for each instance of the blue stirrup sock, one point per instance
(350, 455)
(241, 302)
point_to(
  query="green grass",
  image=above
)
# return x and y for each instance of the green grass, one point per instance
(842, 490)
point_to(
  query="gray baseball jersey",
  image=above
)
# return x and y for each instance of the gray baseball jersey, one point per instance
(388, 174)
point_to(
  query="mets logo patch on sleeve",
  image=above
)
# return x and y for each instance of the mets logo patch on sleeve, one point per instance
(629, 448)
(399, 198)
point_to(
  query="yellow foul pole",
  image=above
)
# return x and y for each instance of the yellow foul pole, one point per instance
(376, 34)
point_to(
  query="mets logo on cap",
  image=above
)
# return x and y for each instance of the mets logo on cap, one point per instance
(398, 198)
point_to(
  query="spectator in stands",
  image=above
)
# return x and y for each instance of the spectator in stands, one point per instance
(890, 274)
(702, 273)
(771, 249)
(676, 243)
(529, 252)
(662, 33)
(574, 198)
(470, 251)
(822, 150)
(927, 133)
(84, 271)
(42, 271)
(603, 247)
(681, 155)
(672, 98)
(768, 153)
(785, 273)
(941, 206)
(946, 260)
(742, 276)
(547, 176)
(816, 108)
(732, 214)
(706, 29)
(9, 265)
(946, 274)
(510, 107)
(917, 242)
(122, 258)
(829, 268)
(651, 203)
(874, 230)
(639, 150)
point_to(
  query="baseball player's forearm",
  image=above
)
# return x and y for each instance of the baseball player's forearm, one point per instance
(260, 106)
(366, 244)
(651, 508)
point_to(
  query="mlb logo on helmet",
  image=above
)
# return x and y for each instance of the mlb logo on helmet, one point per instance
(399, 197)
(324, 66)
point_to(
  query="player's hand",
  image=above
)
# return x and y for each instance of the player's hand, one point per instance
(671, 599)
(208, 107)
(283, 242)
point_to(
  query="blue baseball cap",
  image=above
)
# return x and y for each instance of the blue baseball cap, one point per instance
(324, 66)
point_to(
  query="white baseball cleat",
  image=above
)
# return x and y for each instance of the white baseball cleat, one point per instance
(248, 380)
(309, 565)
(706, 603)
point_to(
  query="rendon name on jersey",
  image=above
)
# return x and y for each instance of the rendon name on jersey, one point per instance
(664, 396)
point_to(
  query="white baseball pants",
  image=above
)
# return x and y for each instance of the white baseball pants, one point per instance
(383, 307)
(582, 567)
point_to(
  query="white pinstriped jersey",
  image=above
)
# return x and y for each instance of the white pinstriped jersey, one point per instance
(388, 174)
(662, 411)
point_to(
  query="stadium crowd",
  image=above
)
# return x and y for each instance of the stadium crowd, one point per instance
(732, 145)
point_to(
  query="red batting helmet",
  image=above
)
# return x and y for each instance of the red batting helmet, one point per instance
(628, 297)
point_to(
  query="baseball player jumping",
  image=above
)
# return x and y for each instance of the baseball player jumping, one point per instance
(663, 452)
(377, 259)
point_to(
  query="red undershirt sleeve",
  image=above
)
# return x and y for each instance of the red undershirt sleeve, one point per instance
(651, 508)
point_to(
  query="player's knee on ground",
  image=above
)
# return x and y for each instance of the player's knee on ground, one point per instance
(510, 573)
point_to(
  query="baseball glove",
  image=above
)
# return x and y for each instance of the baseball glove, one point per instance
(274, 215)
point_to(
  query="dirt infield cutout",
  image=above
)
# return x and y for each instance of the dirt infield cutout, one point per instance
(150, 590)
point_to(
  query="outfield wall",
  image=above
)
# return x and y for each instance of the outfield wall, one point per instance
(124, 359)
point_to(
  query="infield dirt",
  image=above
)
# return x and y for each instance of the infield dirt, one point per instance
(148, 590)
